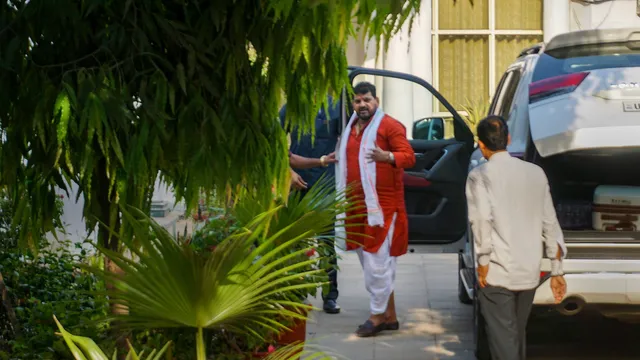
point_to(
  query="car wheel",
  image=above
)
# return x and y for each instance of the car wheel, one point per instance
(480, 338)
(463, 296)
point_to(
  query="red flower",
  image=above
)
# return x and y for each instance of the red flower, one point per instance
(311, 252)
(271, 349)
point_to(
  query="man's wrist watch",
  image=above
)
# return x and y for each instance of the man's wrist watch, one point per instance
(322, 161)
(392, 159)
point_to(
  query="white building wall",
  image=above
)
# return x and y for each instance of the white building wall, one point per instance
(610, 14)
(72, 217)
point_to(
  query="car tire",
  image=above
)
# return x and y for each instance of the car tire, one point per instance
(480, 338)
(463, 296)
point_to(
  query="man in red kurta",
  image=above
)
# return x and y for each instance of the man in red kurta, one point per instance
(372, 159)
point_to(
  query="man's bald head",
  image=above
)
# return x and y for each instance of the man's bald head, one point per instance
(493, 132)
(493, 135)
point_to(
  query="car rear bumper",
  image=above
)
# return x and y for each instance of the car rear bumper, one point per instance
(603, 138)
(595, 288)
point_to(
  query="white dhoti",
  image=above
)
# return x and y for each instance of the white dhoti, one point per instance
(379, 272)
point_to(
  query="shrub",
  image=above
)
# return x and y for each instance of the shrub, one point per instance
(41, 286)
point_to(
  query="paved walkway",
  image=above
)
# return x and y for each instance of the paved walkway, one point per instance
(435, 325)
(432, 324)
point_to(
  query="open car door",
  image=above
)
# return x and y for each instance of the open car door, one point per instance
(435, 187)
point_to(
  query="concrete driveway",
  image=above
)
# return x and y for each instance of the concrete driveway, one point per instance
(434, 325)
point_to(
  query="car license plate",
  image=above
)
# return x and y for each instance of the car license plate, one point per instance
(631, 106)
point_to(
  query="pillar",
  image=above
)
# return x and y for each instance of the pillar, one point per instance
(421, 62)
(556, 18)
(397, 96)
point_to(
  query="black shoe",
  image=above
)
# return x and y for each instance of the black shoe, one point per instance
(368, 329)
(331, 307)
(392, 325)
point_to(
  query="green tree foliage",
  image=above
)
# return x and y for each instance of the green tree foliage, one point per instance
(107, 94)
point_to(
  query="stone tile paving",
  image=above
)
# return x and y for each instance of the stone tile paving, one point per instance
(433, 324)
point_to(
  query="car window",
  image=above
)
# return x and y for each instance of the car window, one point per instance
(498, 93)
(505, 94)
(585, 58)
(509, 94)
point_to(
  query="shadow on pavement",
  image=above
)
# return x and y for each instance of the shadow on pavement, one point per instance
(588, 335)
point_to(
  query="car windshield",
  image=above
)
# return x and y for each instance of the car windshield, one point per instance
(570, 60)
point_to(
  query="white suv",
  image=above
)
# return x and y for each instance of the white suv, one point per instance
(573, 107)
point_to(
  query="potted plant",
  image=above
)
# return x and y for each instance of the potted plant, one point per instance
(251, 280)
(307, 218)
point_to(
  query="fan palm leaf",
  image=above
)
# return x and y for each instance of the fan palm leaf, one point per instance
(239, 286)
(83, 348)
(476, 111)
(316, 210)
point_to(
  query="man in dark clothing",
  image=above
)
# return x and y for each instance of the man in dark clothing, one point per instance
(328, 130)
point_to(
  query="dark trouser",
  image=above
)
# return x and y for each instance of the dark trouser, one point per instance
(329, 244)
(506, 314)
(332, 294)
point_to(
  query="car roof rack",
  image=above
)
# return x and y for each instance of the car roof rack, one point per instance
(535, 49)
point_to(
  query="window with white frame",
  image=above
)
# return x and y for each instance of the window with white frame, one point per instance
(474, 41)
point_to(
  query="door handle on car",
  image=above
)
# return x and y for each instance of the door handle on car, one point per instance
(424, 160)
(448, 154)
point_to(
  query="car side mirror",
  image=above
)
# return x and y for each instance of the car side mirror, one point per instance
(431, 128)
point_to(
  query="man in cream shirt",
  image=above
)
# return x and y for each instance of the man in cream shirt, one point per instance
(512, 218)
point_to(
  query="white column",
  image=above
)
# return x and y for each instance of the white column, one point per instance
(421, 62)
(356, 55)
(371, 61)
(556, 18)
(398, 94)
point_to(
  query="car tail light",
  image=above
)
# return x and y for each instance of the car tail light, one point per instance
(556, 85)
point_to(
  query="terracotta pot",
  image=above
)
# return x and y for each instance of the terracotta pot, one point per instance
(298, 333)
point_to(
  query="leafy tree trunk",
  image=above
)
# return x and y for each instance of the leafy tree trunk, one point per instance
(108, 231)
(8, 308)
